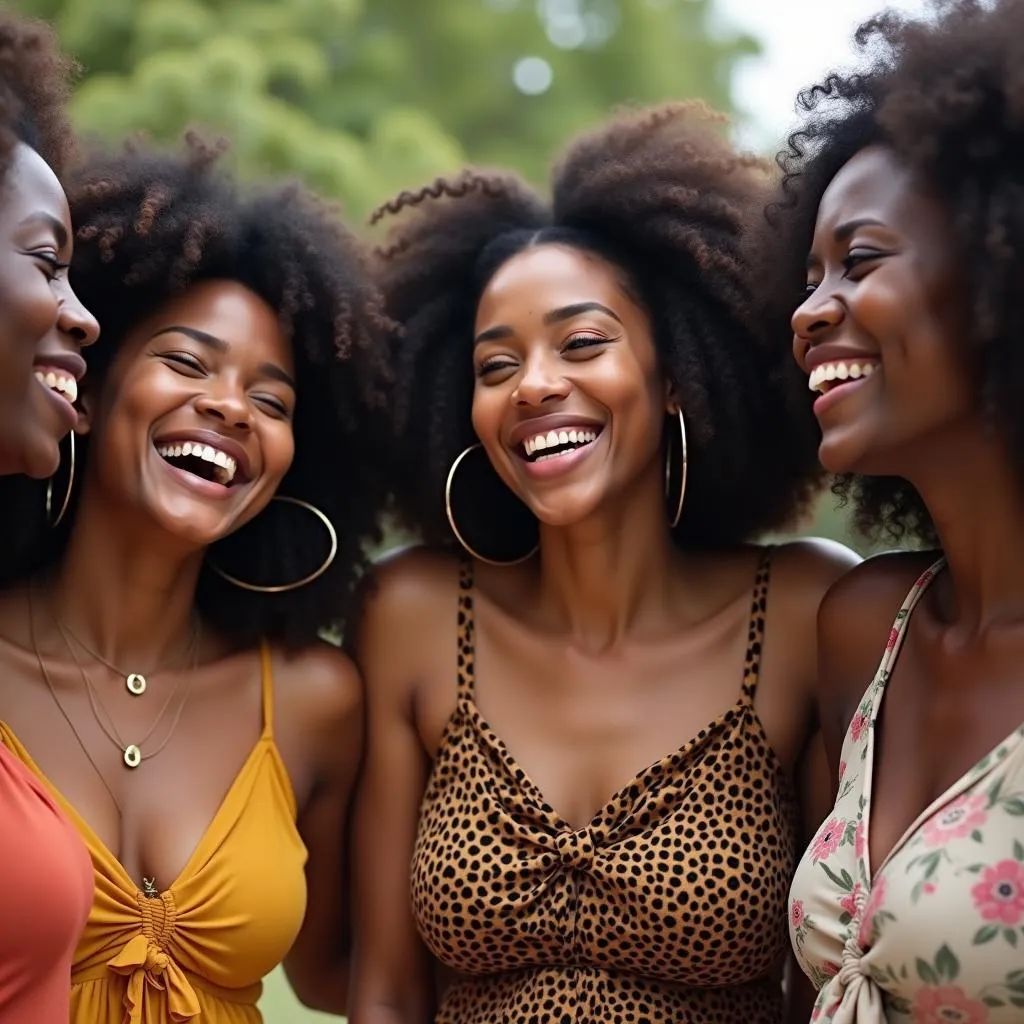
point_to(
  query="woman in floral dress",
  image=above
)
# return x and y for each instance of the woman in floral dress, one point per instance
(908, 181)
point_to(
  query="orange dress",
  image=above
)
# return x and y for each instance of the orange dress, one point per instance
(201, 948)
(45, 892)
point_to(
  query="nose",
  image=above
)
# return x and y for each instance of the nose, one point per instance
(540, 382)
(225, 402)
(75, 321)
(812, 320)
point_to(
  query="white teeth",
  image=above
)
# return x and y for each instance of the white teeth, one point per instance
(59, 382)
(557, 437)
(838, 371)
(226, 465)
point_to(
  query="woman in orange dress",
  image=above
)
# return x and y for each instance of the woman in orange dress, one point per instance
(45, 882)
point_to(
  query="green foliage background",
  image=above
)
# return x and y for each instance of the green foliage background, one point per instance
(361, 98)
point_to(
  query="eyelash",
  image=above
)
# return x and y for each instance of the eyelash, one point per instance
(55, 265)
(194, 364)
(574, 344)
(853, 259)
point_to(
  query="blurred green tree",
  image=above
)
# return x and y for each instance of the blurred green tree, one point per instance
(363, 97)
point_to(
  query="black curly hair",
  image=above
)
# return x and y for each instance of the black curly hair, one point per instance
(149, 225)
(35, 83)
(946, 94)
(660, 195)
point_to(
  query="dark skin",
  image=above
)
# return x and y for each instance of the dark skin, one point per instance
(956, 687)
(214, 359)
(578, 650)
(43, 326)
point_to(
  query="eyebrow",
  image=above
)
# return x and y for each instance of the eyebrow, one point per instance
(42, 217)
(554, 316)
(843, 232)
(220, 345)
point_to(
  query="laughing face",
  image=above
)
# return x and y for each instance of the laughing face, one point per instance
(43, 326)
(881, 333)
(569, 400)
(193, 424)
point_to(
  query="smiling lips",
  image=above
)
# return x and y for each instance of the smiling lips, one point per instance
(829, 375)
(556, 443)
(202, 460)
(58, 381)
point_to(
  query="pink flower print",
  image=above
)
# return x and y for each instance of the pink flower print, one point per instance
(858, 839)
(894, 635)
(828, 839)
(829, 969)
(857, 726)
(928, 888)
(947, 1004)
(959, 819)
(876, 899)
(850, 901)
(842, 772)
(999, 896)
(796, 913)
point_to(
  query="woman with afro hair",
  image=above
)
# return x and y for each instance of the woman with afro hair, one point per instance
(45, 879)
(585, 711)
(903, 218)
(162, 667)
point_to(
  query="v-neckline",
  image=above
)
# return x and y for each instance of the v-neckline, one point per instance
(741, 706)
(93, 841)
(982, 767)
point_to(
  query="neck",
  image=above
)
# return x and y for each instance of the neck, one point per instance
(126, 593)
(605, 576)
(978, 511)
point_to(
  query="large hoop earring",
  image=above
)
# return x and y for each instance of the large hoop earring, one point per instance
(55, 522)
(678, 514)
(459, 535)
(284, 587)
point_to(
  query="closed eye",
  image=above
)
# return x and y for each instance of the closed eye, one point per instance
(275, 404)
(53, 265)
(581, 342)
(184, 360)
(858, 257)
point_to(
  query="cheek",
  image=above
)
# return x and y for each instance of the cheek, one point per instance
(489, 407)
(278, 450)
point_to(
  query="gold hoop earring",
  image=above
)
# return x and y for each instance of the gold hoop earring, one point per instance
(449, 512)
(682, 471)
(54, 523)
(283, 587)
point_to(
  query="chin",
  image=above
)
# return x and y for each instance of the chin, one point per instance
(39, 458)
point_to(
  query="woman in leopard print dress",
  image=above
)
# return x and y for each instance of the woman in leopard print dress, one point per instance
(579, 388)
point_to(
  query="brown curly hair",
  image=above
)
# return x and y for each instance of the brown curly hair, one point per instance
(149, 225)
(661, 196)
(35, 83)
(947, 95)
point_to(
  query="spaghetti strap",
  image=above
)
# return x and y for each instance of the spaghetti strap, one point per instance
(267, 684)
(755, 631)
(466, 628)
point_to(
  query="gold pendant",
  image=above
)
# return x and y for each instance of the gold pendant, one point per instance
(132, 756)
(136, 684)
(149, 889)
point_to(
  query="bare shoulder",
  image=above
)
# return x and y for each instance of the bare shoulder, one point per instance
(322, 676)
(862, 603)
(803, 571)
(405, 584)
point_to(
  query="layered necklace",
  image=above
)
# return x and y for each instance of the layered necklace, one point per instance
(136, 684)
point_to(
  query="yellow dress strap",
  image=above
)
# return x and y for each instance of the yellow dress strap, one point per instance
(267, 680)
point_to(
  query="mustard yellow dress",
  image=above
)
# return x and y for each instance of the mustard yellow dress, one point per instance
(199, 950)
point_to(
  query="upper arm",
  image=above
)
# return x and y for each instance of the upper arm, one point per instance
(326, 691)
(391, 969)
(853, 626)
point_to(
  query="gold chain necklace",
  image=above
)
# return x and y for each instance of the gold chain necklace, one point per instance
(131, 753)
(135, 682)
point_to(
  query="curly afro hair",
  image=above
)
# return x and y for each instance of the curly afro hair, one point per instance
(35, 83)
(148, 226)
(947, 95)
(661, 196)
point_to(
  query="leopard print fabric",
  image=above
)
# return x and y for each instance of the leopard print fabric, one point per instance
(669, 906)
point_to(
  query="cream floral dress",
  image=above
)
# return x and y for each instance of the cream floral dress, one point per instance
(936, 935)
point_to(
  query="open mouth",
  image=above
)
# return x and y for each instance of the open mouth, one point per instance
(556, 443)
(202, 460)
(830, 375)
(60, 382)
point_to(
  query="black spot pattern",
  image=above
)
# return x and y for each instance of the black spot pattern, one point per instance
(670, 905)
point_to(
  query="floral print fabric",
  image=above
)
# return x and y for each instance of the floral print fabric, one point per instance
(936, 935)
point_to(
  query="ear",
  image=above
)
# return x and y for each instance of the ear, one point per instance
(87, 404)
(672, 403)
